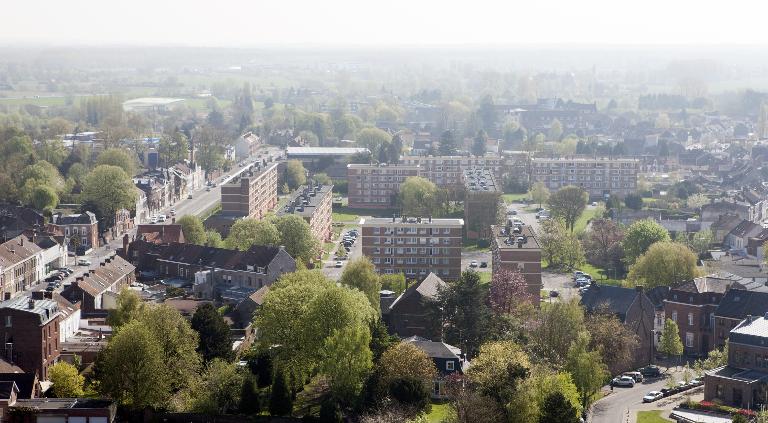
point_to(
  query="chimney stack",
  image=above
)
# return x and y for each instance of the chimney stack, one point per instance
(639, 288)
(31, 303)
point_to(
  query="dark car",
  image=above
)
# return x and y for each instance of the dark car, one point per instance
(483, 264)
(650, 371)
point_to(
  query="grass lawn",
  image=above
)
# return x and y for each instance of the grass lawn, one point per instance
(438, 413)
(344, 215)
(485, 277)
(651, 417)
(581, 222)
(514, 198)
(595, 273)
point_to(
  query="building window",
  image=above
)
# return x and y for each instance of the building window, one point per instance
(690, 319)
(8, 321)
(449, 365)
(674, 316)
(689, 340)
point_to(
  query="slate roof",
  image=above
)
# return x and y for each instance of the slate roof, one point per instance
(427, 289)
(434, 349)
(657, 295)
(753, 331)
(739, 303)
(258, 296)
(101, 277)
(24, 381)
(46, 309)
(746, 228)
(717, 283)
(7, 388)
(86, 218)
(257, 255)
(17, 250)
(617, 299)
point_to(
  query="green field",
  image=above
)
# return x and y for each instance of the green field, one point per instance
(344, 215)
(34, 100)
(514, 198)
(595, 272)
(439, 413)
(651, 417)
(586, 215)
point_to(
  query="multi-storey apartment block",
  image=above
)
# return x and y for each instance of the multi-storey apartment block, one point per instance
(314, 204)
(376, 186)
(516, 248)
(446, 171)
(414, 246)
(251, 194)
(482, 202)
(600, 177)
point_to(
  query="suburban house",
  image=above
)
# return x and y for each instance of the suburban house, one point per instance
(29, 329)
(657, 295)
(247, 145)
(737, 305)
(159, 233)
(97, 289)
(632, 307)
(447, 358)
(692, 306)
(245, 309)
(743, 382)
(53, 254)
(724, 225)
(409, 314)
(83, 227)
(211, 270)
(19, 266)
(738, 237)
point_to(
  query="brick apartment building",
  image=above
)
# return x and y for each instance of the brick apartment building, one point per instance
(376, 186)
(736, 305)
(82, 226)
(251, 194)
(599, 177)
(29, 330)
(19, 266)
(516, 248)
(97, 289)
(743, 382)
(692, 306)
(446, 171)
(414, 246)
(314, 204)
(482, 202)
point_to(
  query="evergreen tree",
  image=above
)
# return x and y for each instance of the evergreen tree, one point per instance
(480, 144)
(249, 397)
(448, 143)
(214, 333)
(280, 400)
(557, 409)
(330, 412)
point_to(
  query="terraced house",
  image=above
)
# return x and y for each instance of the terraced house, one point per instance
(19, 266)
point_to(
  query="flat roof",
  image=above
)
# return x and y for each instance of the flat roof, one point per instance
(152, 101)
(583, 159)
(324, 151)
(254, 171)
(411, 221)
(506, 241)
(382, 166)
(480, 180)
(305, 200)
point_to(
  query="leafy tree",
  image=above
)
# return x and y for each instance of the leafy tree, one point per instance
(192, 227)
(405, 361)
(347, 361)
(633, 201)
(129, 307)
(280, 399)
(250, 402)
(214, 333)
(670, 343)
(109, 189)
(555, 130)
(716, 358)
(568, 203)
(640, 236)
(66, 379)
(393, 282)
(295, 174)
(361, 274)
(587, 369)
(213, 239)
(665, 263)
(508, 291)
(469, 406)
(41, 173)
(603, 244)
(131, 369)
(480, 143)
(487, 112)
(539, 193)
(527, 406)
(419, 197)
(330, 412)
(119, 157)
(498, 370)
(322, 179)
(465, 313)
(448, 144)
(559, 247)
(699, 242)
(615, 341)
(556, 326)
(44, 198)
(373, 138)
(412, 393)
(52, 151)
(381, 340)
(247, 232)
(297, 237)
(220, 388)
(557, 409)
(697, 201)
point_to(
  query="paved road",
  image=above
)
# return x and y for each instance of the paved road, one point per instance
(329, 266)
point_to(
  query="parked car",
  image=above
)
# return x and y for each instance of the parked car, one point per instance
(66, 270)
(554, 293)
(83, 262)
(580, 282)
(339, 263)
(473, 263)
(623, 381)
(207, 189)
(637, 376)
(650, 371)
(578, 274)
(594, 204)
(483, 264)
(189, 197)
(653, 396)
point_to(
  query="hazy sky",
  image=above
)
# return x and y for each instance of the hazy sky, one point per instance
(387, 22)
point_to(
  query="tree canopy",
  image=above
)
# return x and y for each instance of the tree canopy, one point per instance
(247, 232)
(361, 274)
(568, 203)
(214, 334)
(419, 197)
(109, 189)
(193, 229)
(297, 238)
(640, 236)
(665, 263)
(119, 157)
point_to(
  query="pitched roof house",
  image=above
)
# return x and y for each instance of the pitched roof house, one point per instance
(97, 289)
(410, 314)
(160, 234)
(447, 358)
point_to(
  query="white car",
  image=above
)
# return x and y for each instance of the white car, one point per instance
(653, 396)
(83, 262)
(623, 381)
(473, 263)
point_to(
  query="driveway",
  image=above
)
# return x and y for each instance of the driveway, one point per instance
(622, 405)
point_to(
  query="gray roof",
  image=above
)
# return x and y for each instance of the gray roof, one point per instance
(86, 218)
(434, 349)
(428, 288)
(324, 151)
(739, 303)
(751, 331)
(617, 299)
(46, 309)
